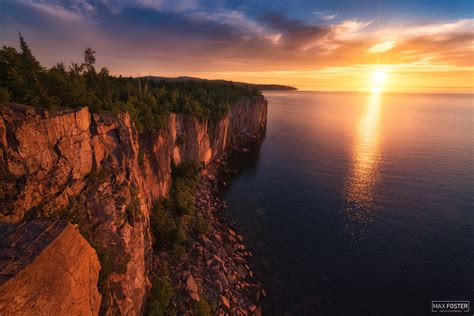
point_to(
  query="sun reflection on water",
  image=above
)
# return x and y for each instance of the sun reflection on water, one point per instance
(361, 184)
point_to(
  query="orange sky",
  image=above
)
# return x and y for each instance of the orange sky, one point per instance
(435, 57)
(303, 47)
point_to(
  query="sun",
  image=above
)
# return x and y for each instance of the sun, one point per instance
(378, 79)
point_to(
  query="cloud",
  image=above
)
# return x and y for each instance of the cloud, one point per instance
(350, 29)
(440, 31)
(239, 23)
(77, 9)
(53, 10)
(186, 37)
(325, 15)
(381, 47)
(167, 5)
(295, 34)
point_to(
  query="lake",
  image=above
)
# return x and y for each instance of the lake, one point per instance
(360, 203)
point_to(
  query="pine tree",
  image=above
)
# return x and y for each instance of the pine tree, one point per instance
(89, 59)
(30, 71)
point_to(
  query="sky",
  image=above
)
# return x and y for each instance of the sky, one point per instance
(422, 46)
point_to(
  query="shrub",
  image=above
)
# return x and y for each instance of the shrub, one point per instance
(4, 95)
(171, 217)
(164, 227)
(201, 225)
(159, 300)
(202, 308)
(185, 181)
(178, 254)
(183, 195)
(133, 211)
(106, 263)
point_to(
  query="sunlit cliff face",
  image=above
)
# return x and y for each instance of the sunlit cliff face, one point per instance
(295, 43)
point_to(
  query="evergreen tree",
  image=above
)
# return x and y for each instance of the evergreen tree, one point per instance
(89, 59)
(24, 80)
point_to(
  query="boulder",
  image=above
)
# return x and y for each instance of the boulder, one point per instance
(47, 268)
(192, 288)
(191, 285)
(223, 279)
(225, 303)
(218, 286)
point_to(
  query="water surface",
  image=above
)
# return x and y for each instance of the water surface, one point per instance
(360, 203)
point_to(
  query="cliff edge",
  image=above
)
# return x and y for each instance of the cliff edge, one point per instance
(95, 170)
(41, 262)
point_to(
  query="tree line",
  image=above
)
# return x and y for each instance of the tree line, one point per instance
(24, 80)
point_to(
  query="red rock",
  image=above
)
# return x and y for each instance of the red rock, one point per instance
(239, 259)
(205, 240)
(217, 237)
(194, 296)
(71, 154)
(218, 286)
(225, 303)
(64, 263)
(241, 271)
(232, 279)
(191, 285)
(223, 279)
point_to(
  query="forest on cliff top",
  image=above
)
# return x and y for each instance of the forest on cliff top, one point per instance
(24, 80)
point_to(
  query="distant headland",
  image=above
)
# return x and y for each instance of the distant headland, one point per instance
(258, 86)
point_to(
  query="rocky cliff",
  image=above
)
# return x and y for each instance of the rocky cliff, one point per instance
(96, 171)
(40, 262)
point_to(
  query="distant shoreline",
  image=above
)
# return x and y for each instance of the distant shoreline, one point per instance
(256, 85)
(388, 92)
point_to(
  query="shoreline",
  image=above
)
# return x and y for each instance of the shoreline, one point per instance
(215, 266)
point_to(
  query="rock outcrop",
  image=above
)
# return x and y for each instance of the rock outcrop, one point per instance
(40, 261)
(96, 171)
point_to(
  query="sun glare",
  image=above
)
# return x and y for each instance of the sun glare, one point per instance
(378, 79)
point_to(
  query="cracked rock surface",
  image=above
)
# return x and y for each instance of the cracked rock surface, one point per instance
(41, 261)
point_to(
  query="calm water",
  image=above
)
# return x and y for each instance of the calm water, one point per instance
(360, 204)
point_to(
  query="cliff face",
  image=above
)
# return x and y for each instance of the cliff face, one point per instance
(93, 170)
(41, 261)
